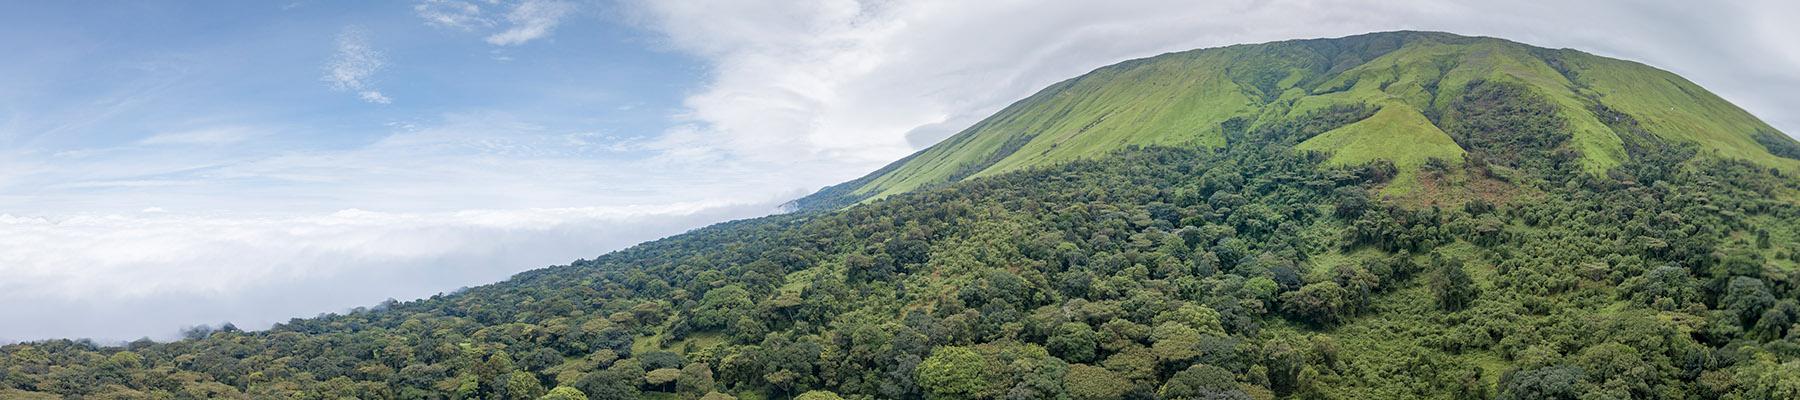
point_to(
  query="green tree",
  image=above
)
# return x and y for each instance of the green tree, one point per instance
(1200, 381)
(564, 393)
(1074, 342)
(1087, 382)
(1552, 383)
(818, 395)
(953, 372)
(1748, 298)
(523, 385)
(1452, 286)
(1322, 303)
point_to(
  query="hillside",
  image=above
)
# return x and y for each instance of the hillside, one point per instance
(1364, 242)
(1415, 79)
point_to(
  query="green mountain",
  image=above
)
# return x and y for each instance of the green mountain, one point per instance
(1396, 215)
(1414, 80)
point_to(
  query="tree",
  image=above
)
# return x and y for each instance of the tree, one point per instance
(1200, 381)
(662, 378)
(953, 372)
(695, 378)
(523, 385)
(1320, 303)
(1452, 286)
(717, 396)
(1766, 379)
(564, 393)
(1666, 288)
(1087, 382)
(1073, 342)
(818, 395)
(1175, 343)
(1748, 298)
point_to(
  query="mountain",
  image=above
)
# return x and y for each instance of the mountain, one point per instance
(1414, 81)
(1393, 215)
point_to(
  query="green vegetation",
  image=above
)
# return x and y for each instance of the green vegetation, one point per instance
(1420, 81)
(1276, 260)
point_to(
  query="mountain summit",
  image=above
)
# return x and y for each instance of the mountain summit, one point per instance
(1404, 97)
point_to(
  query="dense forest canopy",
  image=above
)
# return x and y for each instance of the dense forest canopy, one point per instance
(1256, 268)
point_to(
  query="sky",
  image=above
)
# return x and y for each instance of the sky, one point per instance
(168, 164)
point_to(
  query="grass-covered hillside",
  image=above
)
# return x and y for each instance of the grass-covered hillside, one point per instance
(1415, 79)
(1466, 236)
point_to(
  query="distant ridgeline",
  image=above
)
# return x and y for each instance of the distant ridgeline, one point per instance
(1386, 216)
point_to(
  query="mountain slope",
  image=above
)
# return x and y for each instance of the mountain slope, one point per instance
(1189, 98)
(1267, 259)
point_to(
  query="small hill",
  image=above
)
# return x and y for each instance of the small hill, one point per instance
(1437, 95)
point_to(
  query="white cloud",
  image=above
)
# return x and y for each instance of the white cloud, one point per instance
(117, 243)
(122, 276)
(865, 82)
(523, 21)
(353, 66)
(373, 96)
(463, 15)
(531, 19)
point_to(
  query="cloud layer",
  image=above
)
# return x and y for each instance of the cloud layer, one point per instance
(136, 273)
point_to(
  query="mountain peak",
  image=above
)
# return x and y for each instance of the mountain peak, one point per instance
(1425, 95)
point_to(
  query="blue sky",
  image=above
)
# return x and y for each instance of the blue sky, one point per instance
(184, 91)
(165, 164)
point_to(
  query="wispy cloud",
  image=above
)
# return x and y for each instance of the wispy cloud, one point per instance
(352, 68)
(207, 136)
(523, 20)
(530, 20)
(455, 14)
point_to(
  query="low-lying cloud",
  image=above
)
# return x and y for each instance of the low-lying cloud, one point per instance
(119, 277)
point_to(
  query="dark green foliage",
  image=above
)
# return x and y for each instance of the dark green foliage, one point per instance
(1553, 383)
(1322, 303)
(1778, 144)
(1073, 342)
(1452, 286)
(1505, 123)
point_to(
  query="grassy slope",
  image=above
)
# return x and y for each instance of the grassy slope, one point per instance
(1183, 98)
(1676, 109)
(1398, 133)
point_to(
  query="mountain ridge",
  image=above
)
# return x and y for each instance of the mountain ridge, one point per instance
(1184, 99)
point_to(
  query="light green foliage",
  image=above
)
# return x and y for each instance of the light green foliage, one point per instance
(818, 395)
(564, 393)
(953, 373)
(1397, 133)
(1086, 382)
